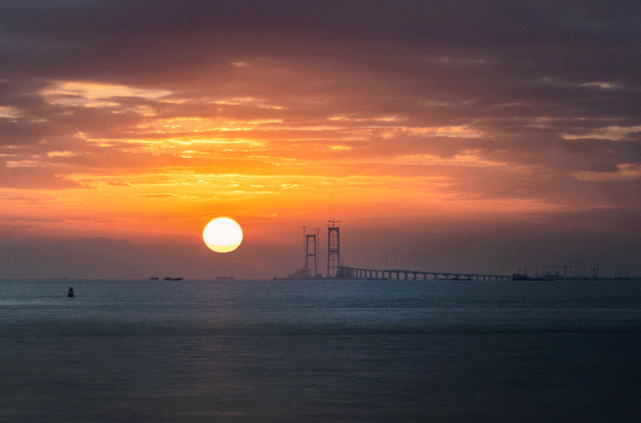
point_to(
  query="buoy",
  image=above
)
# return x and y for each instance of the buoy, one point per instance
(70, 292)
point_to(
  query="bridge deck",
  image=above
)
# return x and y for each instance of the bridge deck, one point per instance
(397, 274)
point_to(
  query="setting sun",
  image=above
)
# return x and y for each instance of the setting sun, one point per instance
(223, 235)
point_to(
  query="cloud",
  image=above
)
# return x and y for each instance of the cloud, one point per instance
(520, 105)
(613, 133)
(34, 177)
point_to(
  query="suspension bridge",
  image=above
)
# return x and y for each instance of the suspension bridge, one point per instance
(339, 271)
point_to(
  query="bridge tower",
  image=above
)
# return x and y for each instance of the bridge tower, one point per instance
(333, 249)
(310, 252)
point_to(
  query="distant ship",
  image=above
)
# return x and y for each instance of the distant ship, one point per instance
(546, 277)
(521, 277)
(169, 278)
(226, 278)
(153, 278)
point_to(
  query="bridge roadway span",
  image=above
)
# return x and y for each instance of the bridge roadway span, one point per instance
(345, 272)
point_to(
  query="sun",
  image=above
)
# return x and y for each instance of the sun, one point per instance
(223, 235)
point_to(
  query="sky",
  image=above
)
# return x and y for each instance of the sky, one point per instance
(465, 136)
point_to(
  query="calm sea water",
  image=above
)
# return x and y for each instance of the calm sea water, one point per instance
(320, 351)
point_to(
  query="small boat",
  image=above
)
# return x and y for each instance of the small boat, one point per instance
(70, 292)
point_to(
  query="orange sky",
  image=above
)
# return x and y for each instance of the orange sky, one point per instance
(181, 156)
(432, 153)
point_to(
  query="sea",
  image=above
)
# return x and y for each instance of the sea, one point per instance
(320, 351)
